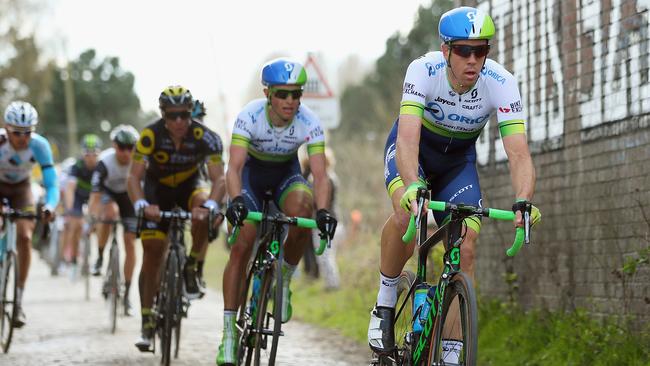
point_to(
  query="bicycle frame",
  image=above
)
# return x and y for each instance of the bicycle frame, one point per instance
(451, 231)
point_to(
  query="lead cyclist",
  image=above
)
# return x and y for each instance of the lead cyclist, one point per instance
(452, 93)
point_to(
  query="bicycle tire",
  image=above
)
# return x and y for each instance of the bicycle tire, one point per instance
(168, 308)
(114, 284)
(85, 266)
(9, 282)
(264, 319)
(178, 316)
(460, 287)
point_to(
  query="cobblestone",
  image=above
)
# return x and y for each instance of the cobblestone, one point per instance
(65, 329)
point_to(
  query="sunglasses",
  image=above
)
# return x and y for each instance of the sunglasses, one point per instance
(124, 147)
(21, 133)
(174, 115)
(465, 51)
(284, 93)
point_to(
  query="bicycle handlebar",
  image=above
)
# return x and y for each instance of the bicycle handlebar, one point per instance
(492, 213)
(254, 216)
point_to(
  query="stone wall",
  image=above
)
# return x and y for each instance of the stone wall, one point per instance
(583, 71)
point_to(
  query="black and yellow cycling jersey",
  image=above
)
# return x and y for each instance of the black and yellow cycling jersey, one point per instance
(169, 166)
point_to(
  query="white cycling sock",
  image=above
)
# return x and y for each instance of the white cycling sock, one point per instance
(287, 273)
(229, 319)
(387, 295)
(451, 350)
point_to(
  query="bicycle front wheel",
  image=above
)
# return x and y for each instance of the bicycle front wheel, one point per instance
(114, 286)
(458, 321)
(168, 308)
(268, 324)
(8, 291)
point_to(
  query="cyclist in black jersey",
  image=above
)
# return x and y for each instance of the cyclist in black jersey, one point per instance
(76, 195)
(167, 157)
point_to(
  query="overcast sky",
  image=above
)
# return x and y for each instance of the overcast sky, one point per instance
(215, 47)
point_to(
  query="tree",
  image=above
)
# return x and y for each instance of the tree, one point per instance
(373, 105)
(102, 90)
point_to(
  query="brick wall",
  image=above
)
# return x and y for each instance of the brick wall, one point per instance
(583, 71)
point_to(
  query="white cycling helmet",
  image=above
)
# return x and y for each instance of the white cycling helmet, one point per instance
(21, 114)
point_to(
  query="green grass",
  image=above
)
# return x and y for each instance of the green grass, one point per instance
(510, 336)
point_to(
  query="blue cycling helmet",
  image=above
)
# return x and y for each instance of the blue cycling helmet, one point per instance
(198, 111)
(21, 114)
(465, 23)
(283, 71)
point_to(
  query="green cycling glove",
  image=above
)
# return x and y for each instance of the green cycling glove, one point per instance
(410, 195)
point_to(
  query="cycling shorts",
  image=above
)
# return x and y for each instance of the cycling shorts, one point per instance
(279, 178)
(451, 175)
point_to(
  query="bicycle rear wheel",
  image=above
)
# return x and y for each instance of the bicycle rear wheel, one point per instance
(461, 326)
(268, 324)
(8, 290)
(85, 266)
(114, 285)
(168, 306)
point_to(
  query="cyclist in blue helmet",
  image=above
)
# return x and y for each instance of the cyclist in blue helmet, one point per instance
(198, 111)
(448, 97)
(263, 156)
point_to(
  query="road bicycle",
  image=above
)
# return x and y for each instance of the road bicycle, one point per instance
(259, 316)
(112, 284)
(171, 303)
(438, 315)
(9, 273)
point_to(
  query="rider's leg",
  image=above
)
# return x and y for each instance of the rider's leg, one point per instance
(233, 278)
(394, 255)
(199, 242)
(129, 266)
(74, 235)
(24, 229)
(109, 212)
(154, 246)
(298, 202)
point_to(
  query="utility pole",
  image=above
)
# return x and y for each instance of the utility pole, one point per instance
(70, 111)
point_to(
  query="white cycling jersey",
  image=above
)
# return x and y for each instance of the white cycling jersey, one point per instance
(109, 174)
(266, 142)
(428, 94)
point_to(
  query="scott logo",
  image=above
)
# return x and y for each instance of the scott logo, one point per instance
(288, 66)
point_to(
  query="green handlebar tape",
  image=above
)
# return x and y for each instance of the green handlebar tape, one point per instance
(519, 240)
(501, 214)
(254, 216)
(306, 223)
(437, 205)
(410, 231)
(233, 236)
(321, 248)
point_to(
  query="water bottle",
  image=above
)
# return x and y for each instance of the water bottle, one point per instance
(431, 293)
(256, 291)
(419, 299)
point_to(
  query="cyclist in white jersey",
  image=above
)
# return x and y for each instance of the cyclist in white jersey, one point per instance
(263, 156)
(109, 189)
(20, 149)
(451, 93)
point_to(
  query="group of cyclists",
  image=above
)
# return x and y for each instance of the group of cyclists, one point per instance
(177, 161)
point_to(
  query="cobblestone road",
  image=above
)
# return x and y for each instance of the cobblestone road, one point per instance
(65, 329)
